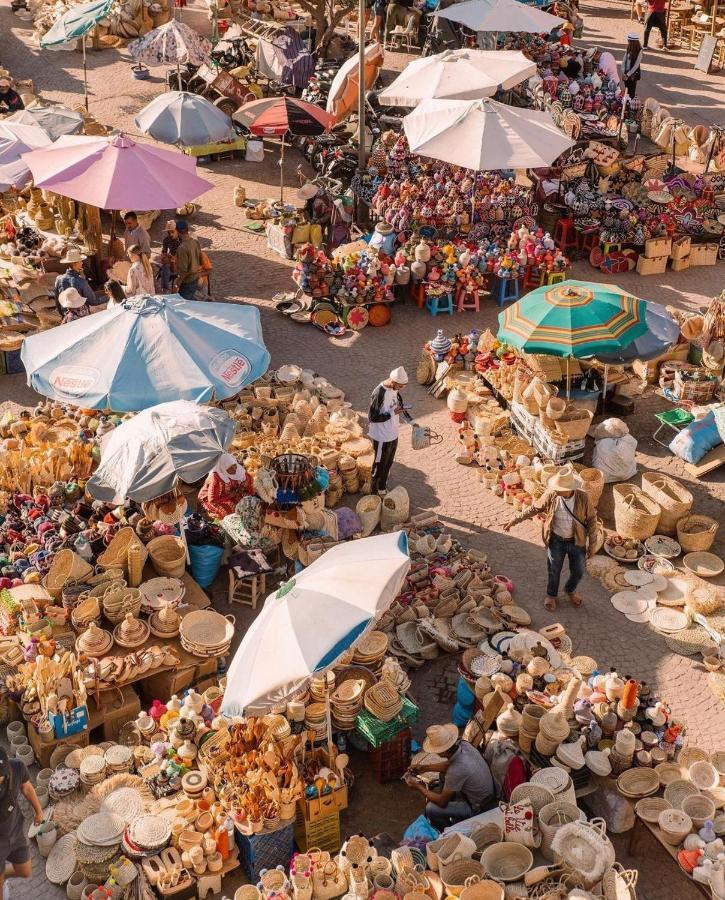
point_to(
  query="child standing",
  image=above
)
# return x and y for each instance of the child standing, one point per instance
(632, 64)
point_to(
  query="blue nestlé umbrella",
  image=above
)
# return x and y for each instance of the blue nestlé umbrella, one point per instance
(148, 350)
(178, 117)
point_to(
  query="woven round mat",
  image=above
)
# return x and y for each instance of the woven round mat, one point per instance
(61, 862)
(125, 802)
(689, 641)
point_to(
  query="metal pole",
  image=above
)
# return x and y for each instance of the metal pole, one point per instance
(281, 173)
(85, 74)
(361, 86)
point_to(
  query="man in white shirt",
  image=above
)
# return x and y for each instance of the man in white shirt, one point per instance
(384, 425)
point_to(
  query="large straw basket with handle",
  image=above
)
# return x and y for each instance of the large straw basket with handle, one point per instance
(674, 499)
(168, 555)
(636, 514)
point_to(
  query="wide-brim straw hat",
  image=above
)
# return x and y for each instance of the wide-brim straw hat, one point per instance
(564, 480)
(384, 228)
(73, 255)
(439, 738)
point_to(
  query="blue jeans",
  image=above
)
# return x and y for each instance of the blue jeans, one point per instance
(165, 276)
(188, 289)
(556, 553)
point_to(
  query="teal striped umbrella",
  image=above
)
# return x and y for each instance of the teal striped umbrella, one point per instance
(74, 25)
(573, 318)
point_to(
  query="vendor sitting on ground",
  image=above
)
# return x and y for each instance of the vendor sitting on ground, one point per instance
(224, 487)
(467, 784)
(10, 100)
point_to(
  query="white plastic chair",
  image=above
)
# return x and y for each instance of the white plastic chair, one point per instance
(407, 36)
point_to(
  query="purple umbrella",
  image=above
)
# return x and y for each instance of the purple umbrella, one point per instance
(116, 173)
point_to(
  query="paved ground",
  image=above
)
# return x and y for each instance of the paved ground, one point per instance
(244, 270)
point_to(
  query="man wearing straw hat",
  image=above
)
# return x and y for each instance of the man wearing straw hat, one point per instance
(14, 848)
(75, 277)
(569, 530)
(467, 785)
(384, 414)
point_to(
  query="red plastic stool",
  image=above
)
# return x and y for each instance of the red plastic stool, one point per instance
(588, 240)
(565, 234)
(417, 292)
(466, 300)
(532, 278)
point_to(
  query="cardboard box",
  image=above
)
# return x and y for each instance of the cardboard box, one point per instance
(647, 371)
(703, 254)
(656, 247)
(648, 265)
(680, 248)
(316, 808)
(680, 263)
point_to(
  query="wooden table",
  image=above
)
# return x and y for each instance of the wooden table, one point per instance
(635, 836)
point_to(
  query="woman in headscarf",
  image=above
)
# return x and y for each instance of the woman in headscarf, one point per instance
(224, 487)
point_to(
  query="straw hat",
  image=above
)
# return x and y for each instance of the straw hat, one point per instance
(71, 299)
(384, 228)
(73, 255)
(439, 738)
(564, 480)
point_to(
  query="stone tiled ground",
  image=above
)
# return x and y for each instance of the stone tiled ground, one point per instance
(245, 271)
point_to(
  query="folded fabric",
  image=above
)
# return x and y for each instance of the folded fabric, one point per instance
(697, 439)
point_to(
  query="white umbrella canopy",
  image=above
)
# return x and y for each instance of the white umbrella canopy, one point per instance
(458, 75)
(501, 15)
(15, 139)
(147, 455)
(484, 135)
(312, 619)
(178, 117)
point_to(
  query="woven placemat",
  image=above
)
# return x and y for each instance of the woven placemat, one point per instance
(689, 641)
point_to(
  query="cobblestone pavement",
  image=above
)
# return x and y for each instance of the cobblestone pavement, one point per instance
(246, 271)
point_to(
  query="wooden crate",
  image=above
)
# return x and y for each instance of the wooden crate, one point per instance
(116, 714)
(647, 265)
(324, 833)
(656, 247)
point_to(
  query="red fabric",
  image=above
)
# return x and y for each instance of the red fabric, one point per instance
(657, 5)
(515, 775)
(220, 499)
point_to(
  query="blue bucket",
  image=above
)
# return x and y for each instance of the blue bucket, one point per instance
(205, 562)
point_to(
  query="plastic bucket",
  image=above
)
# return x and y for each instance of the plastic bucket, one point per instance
(205, 562)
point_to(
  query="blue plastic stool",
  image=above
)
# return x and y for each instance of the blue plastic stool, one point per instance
(442, 303)
(507, 290)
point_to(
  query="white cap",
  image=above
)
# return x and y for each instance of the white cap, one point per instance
(70, 299)
(632, 36)
(399, 375)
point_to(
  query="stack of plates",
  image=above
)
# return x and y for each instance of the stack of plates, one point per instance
(102, 829)
(93, 771)
(157, 591)
(346, 702)
(206, 633)
(370, 650)
(321, 684)
(316, 719)
(194, 783)
(383, 701)
(118, 758)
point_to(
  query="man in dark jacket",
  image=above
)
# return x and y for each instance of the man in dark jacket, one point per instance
(384, 425)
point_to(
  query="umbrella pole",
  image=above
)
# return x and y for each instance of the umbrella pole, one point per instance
(604, 393)
(281, 173)
(178, 76)
(568, 381)
(85, 74)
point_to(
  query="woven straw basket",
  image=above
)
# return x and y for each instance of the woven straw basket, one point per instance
(592, 482)
(168, 556)
(116, 553)
(696, 533)
(66, 566)
(551, 818)
(673, 498)
(636, 514)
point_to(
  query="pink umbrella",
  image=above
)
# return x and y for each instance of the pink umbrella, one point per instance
(116, 173)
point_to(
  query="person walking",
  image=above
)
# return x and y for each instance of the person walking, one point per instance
(135, 233)
(188, 262)
(140, 278)
(380, 9)
(632, 64)
(656, 18)
(569, 530)
(386, 407)
(14, 847)
(74, 277)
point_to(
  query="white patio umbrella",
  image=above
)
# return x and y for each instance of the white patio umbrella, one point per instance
(16, 139)
(312, 619)
(484, 134)
(501, 15)
(149, 454)
(458, 75)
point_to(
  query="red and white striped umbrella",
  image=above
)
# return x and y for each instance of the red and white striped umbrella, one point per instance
(276, 116)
